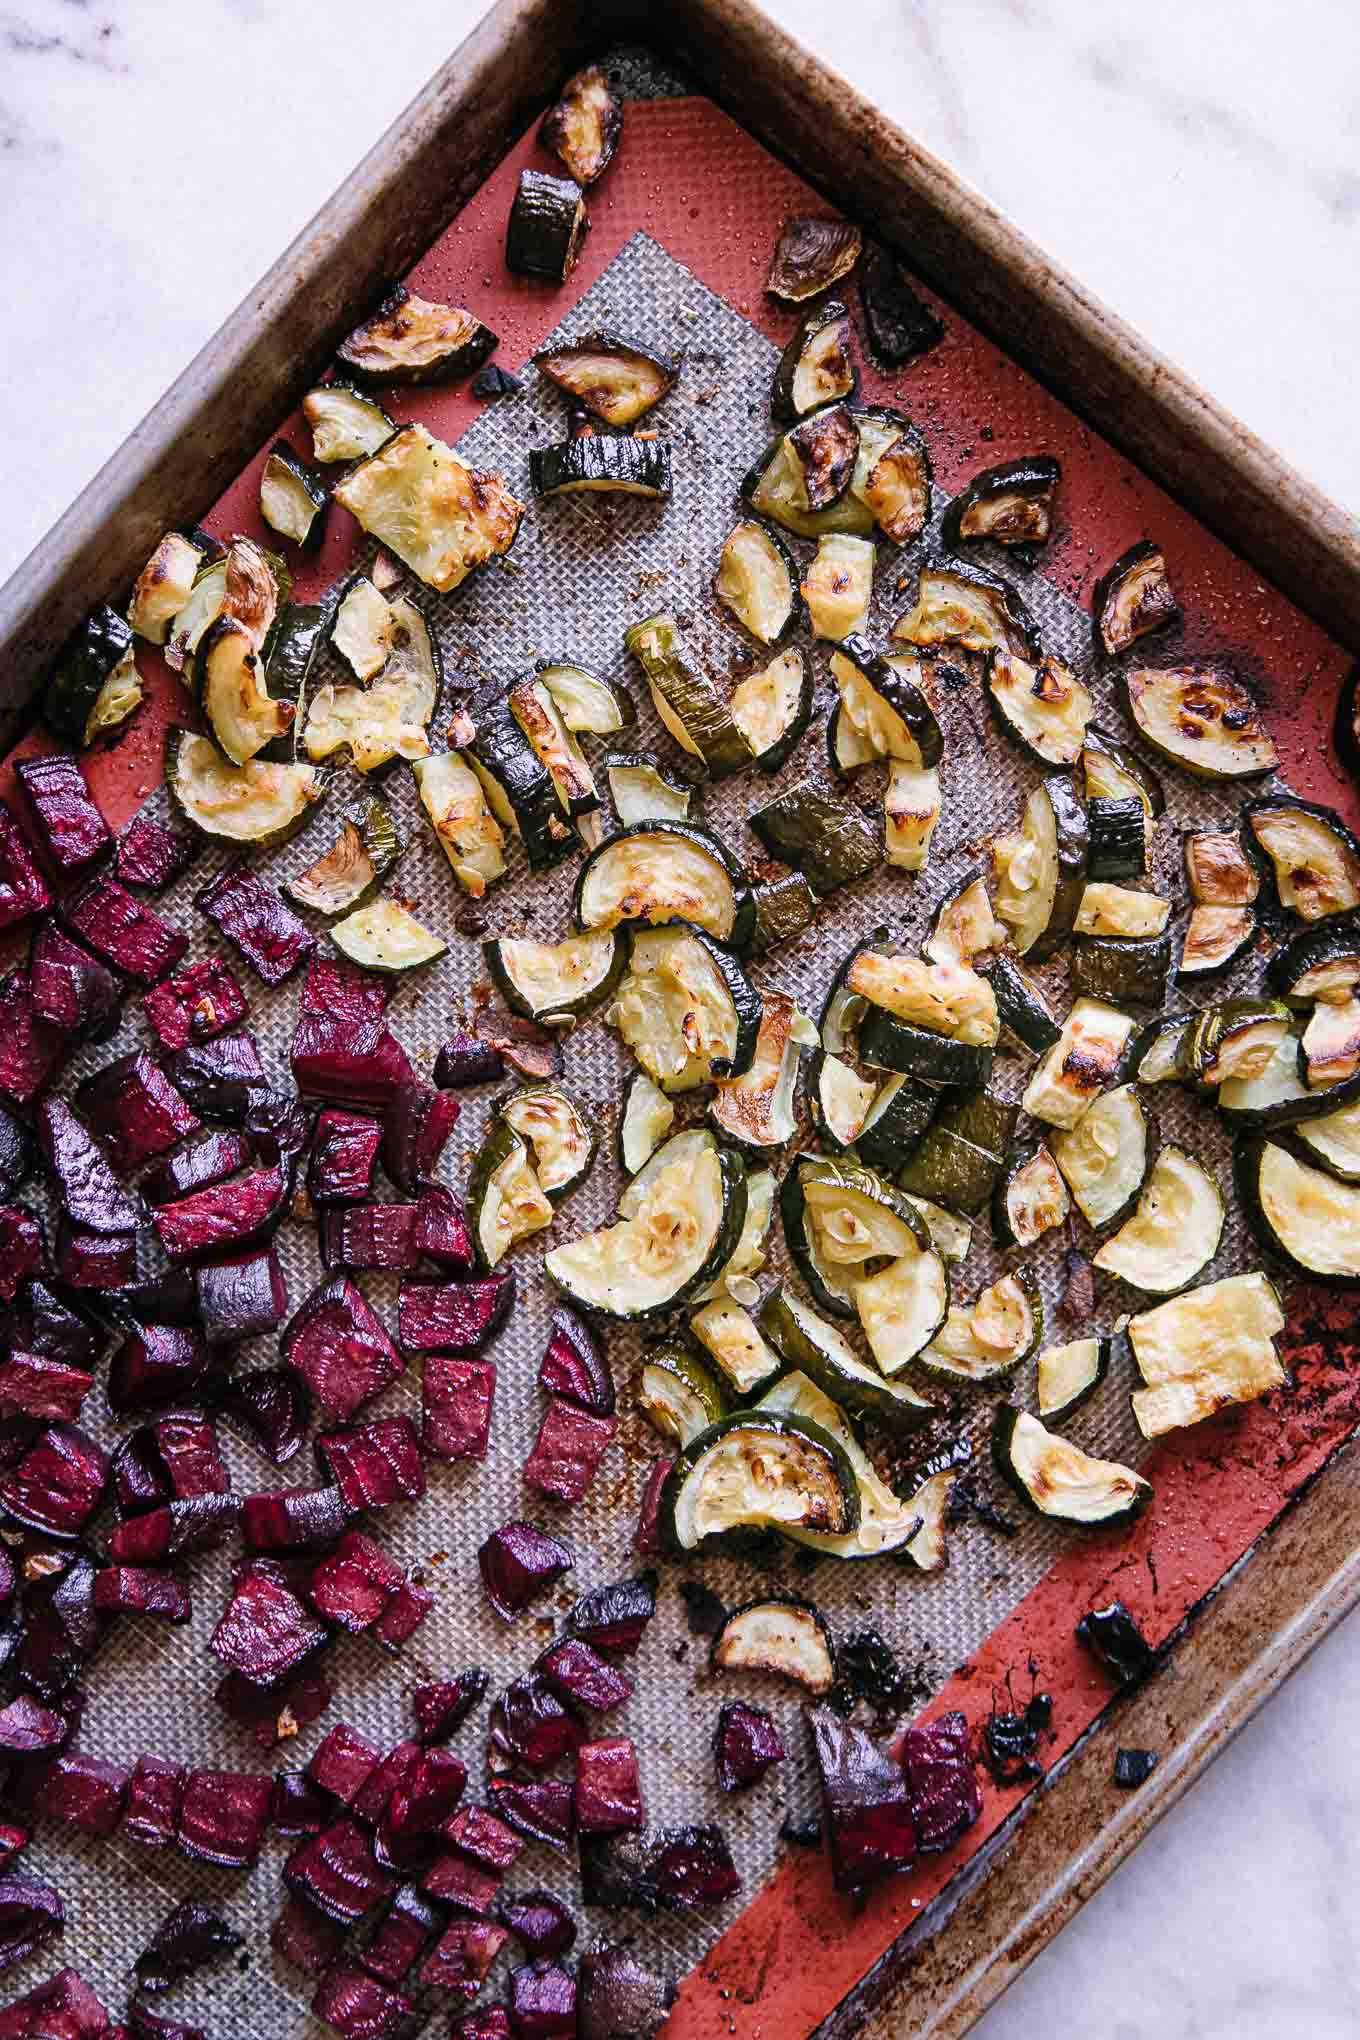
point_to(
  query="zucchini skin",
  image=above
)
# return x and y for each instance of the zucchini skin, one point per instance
(776, 755)
(1130, 764)
(902, 695)
(899, 1129)
(546, 226)
(819, 834)
(1003, 1430)
(1019, 1006)
(303, 628)
(1328, 941)
(1073, 848)
(1164, 611)
(1017, 1159)
(1118, 838)
(743, 926)
(585, 1003)
(601, 463)
(94, 648)
(886, 1043)
(692, 699)
(1247, 1158)
(507, 757)
(900, 325)
(1122, 972)
(814, 323)
(746, 1000)
(1034, 476)
(793, 1217)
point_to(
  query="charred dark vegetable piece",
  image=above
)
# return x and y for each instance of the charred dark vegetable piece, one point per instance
(272, 1407)
(31, 1914)
(464, 1061)
(240, 1296)
(221, 1079)
(1117, 1643)
(818, 365)
(189, 1937)
(583, 126)
(602, 463)
(344, 1151)
(1012, 505)
(70, 990)
(899, 324)
(518, 1562)
(90, 1193)
(867, 1808)
(94, 684)
(1133, 1767)
(177, 1529)
(291, 1519)
(494, 381)
(416, 1128)
(745, 1745)
(74, 833)
(123, 932)
(809, 256)
(412, 340)
(209, 1159)
(825, 446)
(615, 1617)
(157, 1365)
(257, 924)
(1133, 598)
(547, 225)
(151, 855)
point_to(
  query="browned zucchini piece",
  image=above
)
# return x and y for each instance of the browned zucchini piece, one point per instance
(616, 380)
(583, 127)
(809, 256)
(1133, 598)
(414, 340)
(1011, 504)
(825, 447)
(818, 365)
(547, 224)
(899, 324)
(1217, 869)
(1202, 718)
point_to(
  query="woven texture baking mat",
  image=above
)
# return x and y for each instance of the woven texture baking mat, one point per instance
(582, 570)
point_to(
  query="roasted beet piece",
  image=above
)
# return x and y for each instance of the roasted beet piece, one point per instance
(173, 1531)
(340, 1347)
(265, 1632)
(426, 1799)
(234, 1214)
(369, 1236)
(306, 1939)
(458, 1397)
(476, 1833)
(353, 1584)
(73, 832)
(745, 1745)
(443, 1707)
(341, 1048)
(58, 1483)
(692, 1866)
(145, 2025)
(540, 1921)
(374, 1464)
(567, 1452)
(417, 1122)
(31, 1049)
(335, 989)
(462, 1885)
(519, 1561)
(608, 1791)
(402, 1936)
(464, 1061)
(90, 1193)
(26, 1726)
(85, 1792)
(616, 1872)
(338, 1872)
(43, 1322)
(151, 855)
(573, 1365)
(188, 1446)
(617, 1999)
(223, 1817)
(462, 1956)
(23, 889)
(8, 1576)
(344, 1151)
(402, 1616)
(297, 1807)
(135, 1111)
(187, 1939)
(142, 1590)
(63, 2008)
(31, 1914)
(530, 1725)
(18, 1153)
(87, 1259)
(22, 1251)
(209, 1159)
(159, 1364)
(195, 1005)
(141, 1479)
(71, 991)
(615, 1617)
(543, 2002)
(274, 1713)
(866, 1802)
(13, 1841)
(281, 1127)
(647, 1536)
(442, 1233)
(359, 2007)
(240, 1296)
(395, 1769)
(31, 1385)
(342, 1763)
(453, 1317)
(222, 1078)
(121, 931)
(487, 2022)
(942, 1781)
(155, 1790)
(1117, 1643)
(271, 938)
(170, 1298)
(61, 1630)
(272, 1406)
(579, 1673)
(540, 1808)
(293, 1519)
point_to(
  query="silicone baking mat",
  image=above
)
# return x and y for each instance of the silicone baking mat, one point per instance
(682, 228)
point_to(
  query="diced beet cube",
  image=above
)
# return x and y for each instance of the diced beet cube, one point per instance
(135, 1110)
(518, 1562)
(23, 889)
(541, 1808)
(335, 989)
(573, 1365)
(395, 1768)
(487, 2022)
(359, 2007)
(329, 1062)
(151, 855)
(63, 2008)
(274, 1713)
(692, 1866)
(615, 1617)
(187, 1939)
(18, 1153)
(58, 1483)
(14, 1839)
(269, 935)
(31, 1050)
(293, 1519)
(234, 1214)
(618, 1998)
(31, 1914)
(74, 833)
(121, 931)
(145, 2025)
(942, 1780)
(170, 1298)
(141, 1479)
(616, 1872)
(159, 1364)
(453, 1317)
(353, 1584)
(31, 1385)
(305, 1938)
(477, 1833)
(26, 1726)
(745, 1745)
(540, 1921)
(402, 1616)
(530, 1725)
(22, 1252)
(543, 2002)
(209, 1159)
(195, 1005)
(344, 1151)
(442, 1232)
(174, 1530)
(339, 1346)
(417, 1122)
(265, 1631)
(374, 1464)
(155, 1790)
(71, 991)
(188, 1446)
(297, 1807)
(647, 1536)
(579, 1673)
(442, 1707)
(567, 1453)
(608, 1791)
(462, 1956)
(86, 1259)
(464, 1061)
(402, 1937)
(866, 1802)
(272, 1406)
(368, 1236)
(343, 1762)
(281, 1127)
(85, 1792)
(223, 1817)
(43, 1322)
(142, 1590)
(90, 1193)
(458, 1397)
(240, 1296)
(420, 1806)
(222, 1078)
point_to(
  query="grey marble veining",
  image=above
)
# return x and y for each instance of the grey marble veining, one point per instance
(1196, 166)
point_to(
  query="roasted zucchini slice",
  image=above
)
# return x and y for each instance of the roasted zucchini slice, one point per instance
(665, 871)
(1201, 718)
(819, 834)
(1275, 1095)
(1021, 1007)
(818, 365)
(950, 1235)
(964, 605)
(454, 799)
(520, 789)
(960, 1158)
(533, 707)
(164, 586)
(1313, 857)
(1318, 963)
(1334, 1142)
(1132, 598)
(294, 498)
(642, 792)
(755, 1110)
(1104, 1157)
(583, 125)
(1030, 1197)
(1118, 836)
(546, 227)
(889, 1044)
(680, 1220)
(293, 653)
(1112, 771)
(1175, 1230)
(94, 685)
(843, 1009)
(1235, 1038)
(258, 803)
(841, 1223)
(882, 711)
(256, 589)
(1040, 868)
(1045, 708)
(903, 1306)
(1158, 1053)
(345, 876)
(1205, 1350)
(735, 1341)
(347, 423)
(787, 1638)
(895, 1123)
(892, 474)
(945, 998)
(1011, 504)
(506, 1201)
(679, 1394)
(839, 1101)
(1068, 1376)
(587, 705)
(899, 324)
(1215, 937)
(815, 1347)
(647, 1117)
(1084, 1061)
(602, 463)
(547, 981)
(1303, 1215)
(1329, 1047)
(963, 926)
(686, 1008)
(773, 708)
(241, 714)
(809, 256)
(386, 936)
(736, 1276)
(616, 380)
(757, 581)
(913, 1524)
(364, 627)
(774, 488)
(413, 340)
(391, 718)
(439, 516)
(983, 1340)
(838, 586)
(757, 1471)
(824, 448)
(688, 703)
(1217, 868)
(1134, 973)
(1059, 1480)
(562, 1145)
(201, 610)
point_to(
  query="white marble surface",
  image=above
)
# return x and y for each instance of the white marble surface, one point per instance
(1196, 165)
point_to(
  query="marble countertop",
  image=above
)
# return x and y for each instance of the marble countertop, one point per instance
(1195, 166)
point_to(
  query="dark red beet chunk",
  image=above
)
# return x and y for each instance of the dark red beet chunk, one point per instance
(341, 1048)
(281, 1127)
(402, 1616)
(30, 1049)
(488, 2022)
(63, 2008)
(442, 1707)
(188, 1448)
(87, 1259)
(519, 1561)
(374, 1464)
(616, 1871)
(338, 990)
(21, 1249)
(13, 1841)
(142, 1590)
(354, 1583)
(159, 1364)
(745, 1745)
(402, 1937)
(579, 1673)
(340, 1347)
(344, 1151)
(155, 1791)
(31, 1914)
(272, 1407)
(23, 889)
(44, 1322)
(574, 1367)
(293, 1519)
(90, 1193)
(265, 1632)
(420, 1806)
(458, 1397)
(223, 1078)
(149, 854)
(26, 1726)
(476, 1833)
(209, 1159)
(141, 1479)
(540, 1921)
(170, 1298)
(74, 833)
(417, 1123)
(453, 1317)
(187, 1939)
(274, 1713)
(567, 1452)
(359, 2007)
(61, 1629)
(615, 1617)
(234, 1214)
(543, 2002)
(58, 1483)
(71, 991)
(18, 1153)
(866, 1803)
(135, 1110)
(647, 1536)
(461, 1885)
(608, 1791)
(31, 1385)
(692, 1866)
(297, 1807)
(85, 1792)
(464, 1061)
(271, 938)
(442, 1232)
(121, 931)
(195, 1005)
(342, 1763)
(145, 2025)
(338, 1872)
(240, 1296)
(304, 1938)
(175, 1530)
(531, 1726)
(395, 1769)
(223, 1817)
(369, 1236)
(462, 1956)
(942, 1780)
(540, 1808)
(619, 1999)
